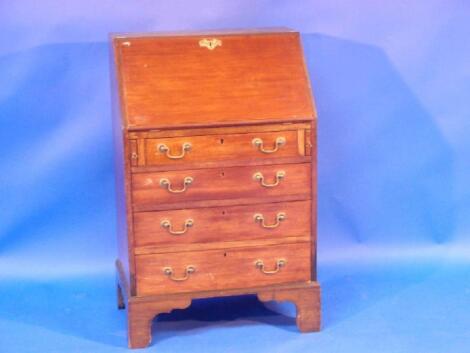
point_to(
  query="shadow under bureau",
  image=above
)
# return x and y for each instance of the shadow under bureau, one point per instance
(215, 154)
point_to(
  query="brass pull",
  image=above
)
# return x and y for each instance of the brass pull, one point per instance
(258, 176)
(279, 263)
(162, 148)
(279, 218)
(165, 183)
(168, 271)
(167, 225)
(257, 142)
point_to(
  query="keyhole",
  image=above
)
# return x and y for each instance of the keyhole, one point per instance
(223, 212)
(222, 141)
(225, 254)
(222, 173)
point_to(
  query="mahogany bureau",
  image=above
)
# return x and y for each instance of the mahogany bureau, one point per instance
(215, 146)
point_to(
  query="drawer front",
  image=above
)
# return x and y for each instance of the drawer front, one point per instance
(220, 224)
(224, 147)
(253, 182)
(222, 269)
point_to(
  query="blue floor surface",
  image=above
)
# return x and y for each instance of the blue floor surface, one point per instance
(370, 307)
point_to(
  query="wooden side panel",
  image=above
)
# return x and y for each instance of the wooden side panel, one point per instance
(122, 180)
(221, 224)
(222, 269)
(173, 81)
(314, 203)
(311, 149)
(220, 184)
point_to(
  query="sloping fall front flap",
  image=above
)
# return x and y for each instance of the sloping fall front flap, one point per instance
(207, 79)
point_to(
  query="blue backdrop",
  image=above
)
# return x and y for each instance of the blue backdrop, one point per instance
(392, 85)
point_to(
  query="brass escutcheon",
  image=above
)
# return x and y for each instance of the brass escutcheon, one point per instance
(210, 44)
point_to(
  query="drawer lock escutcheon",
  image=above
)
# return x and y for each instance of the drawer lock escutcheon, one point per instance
(258, 217)
(167, 225)
(258, 176)
(257, 142)
(165, 183)
(185, 147)
(210, 44)
(259, 264)
(168, 271)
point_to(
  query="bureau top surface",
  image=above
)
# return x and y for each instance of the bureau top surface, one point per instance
(197, 79)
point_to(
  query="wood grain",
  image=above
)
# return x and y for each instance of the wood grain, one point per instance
(222, 269)
(172, 81)
(144, 133)
(122, 172)
(221, 164)
(166, 89)
(221, 147)
(142, 309)
(141, 314)
(219, 245)
(219, 184)
(307, 302)
(314, 197)
(224, 224)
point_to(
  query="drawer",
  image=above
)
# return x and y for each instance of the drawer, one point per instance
(222, 269)
(160, 189)
(223, 147)
(221, 224)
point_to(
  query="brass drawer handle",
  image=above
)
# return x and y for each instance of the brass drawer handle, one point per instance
(258, 176)
(279, 264)
(257, 142)
(186, 147)
(165, 183)
(168, 271)
(258, 217)
(167, 225)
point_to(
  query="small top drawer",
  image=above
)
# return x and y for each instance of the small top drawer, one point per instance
(222, 147)
(174, 151)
